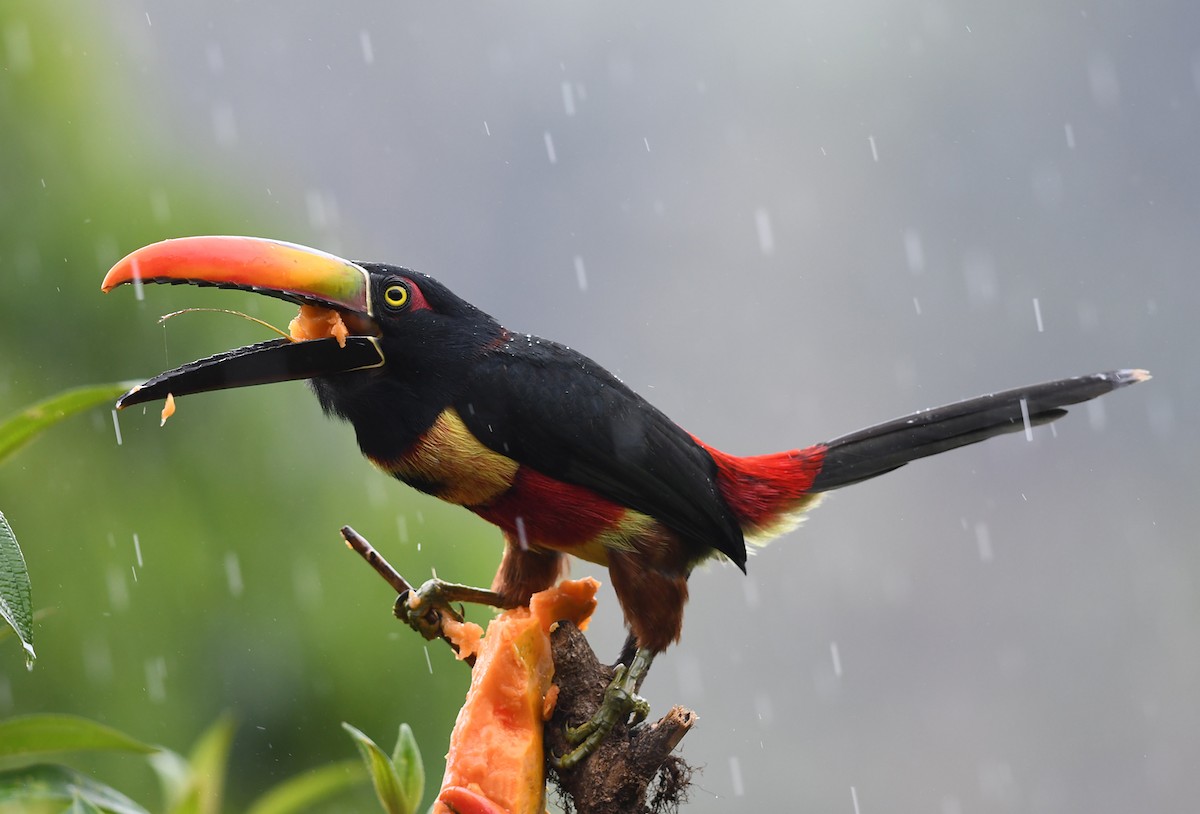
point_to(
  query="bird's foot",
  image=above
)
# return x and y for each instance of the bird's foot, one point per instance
(425, 609)
(621, 703)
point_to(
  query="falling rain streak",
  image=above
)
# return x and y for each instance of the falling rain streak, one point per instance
(156, 679)
(735, 776)
(137, 549)
(1037, 314)
(914, 252)
(118, 591)
(580, 273)
(117, 426)
(836, 656)
(766, 238)
(1025, 420)
(983, 539)
(568, 97)
(368, 50)
(854, 799)
(550, 154)
(233, 574)
(874, 149)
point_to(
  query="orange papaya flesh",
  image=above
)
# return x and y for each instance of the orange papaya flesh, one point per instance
(495, 756)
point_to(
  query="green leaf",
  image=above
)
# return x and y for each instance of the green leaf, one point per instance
(41, 734)
(51, 782)
(16, 599)
(308, 788)
(388, 786)
(23, 427)
(207, 764)
(406, 758)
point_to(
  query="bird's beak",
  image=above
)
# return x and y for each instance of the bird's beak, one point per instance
(295, 273)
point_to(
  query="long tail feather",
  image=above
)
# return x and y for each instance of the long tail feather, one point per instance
(884, 447)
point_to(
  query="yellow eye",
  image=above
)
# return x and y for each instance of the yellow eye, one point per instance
(396, 296)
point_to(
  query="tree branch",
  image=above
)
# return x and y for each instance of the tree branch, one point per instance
(633, 770)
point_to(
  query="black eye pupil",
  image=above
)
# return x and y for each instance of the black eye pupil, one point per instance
(396, 295)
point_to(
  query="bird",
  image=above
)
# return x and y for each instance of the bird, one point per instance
(540, 440)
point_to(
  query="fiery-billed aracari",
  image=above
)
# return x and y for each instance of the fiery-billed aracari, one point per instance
(539, 439)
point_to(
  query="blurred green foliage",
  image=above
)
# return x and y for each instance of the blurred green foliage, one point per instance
(195, 568)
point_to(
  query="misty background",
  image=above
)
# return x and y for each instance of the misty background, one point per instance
(780, 222)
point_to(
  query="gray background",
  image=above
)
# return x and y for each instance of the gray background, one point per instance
(781, 222)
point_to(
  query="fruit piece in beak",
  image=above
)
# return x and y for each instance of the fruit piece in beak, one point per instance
(333, 333)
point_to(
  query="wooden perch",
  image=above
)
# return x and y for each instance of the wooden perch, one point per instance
(633, 770)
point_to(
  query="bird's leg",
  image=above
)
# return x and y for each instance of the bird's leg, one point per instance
(621, 702)
(424, 608)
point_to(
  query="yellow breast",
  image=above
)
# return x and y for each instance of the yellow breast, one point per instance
(449, 462)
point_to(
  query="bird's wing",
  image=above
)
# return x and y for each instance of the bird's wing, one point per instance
(560, 413)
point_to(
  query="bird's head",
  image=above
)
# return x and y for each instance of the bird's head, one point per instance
(361, 325)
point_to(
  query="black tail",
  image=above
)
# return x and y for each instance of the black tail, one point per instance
(884, 447)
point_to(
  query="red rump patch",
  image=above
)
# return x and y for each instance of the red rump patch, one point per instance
(761, 489)
(552, 514)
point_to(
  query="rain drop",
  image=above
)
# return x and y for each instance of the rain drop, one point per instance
(568, 97)
(580, 273)
(874, 149)
(1037, 314)
(735, 776)
(836, 656)
(764, 709)
(156, 679)
(762, 224)
(983, 539)
(854, 798)
(233, 574)
(550, 154)
(1025, 420)
(137, 548)
(118, 590)
(117, 426)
